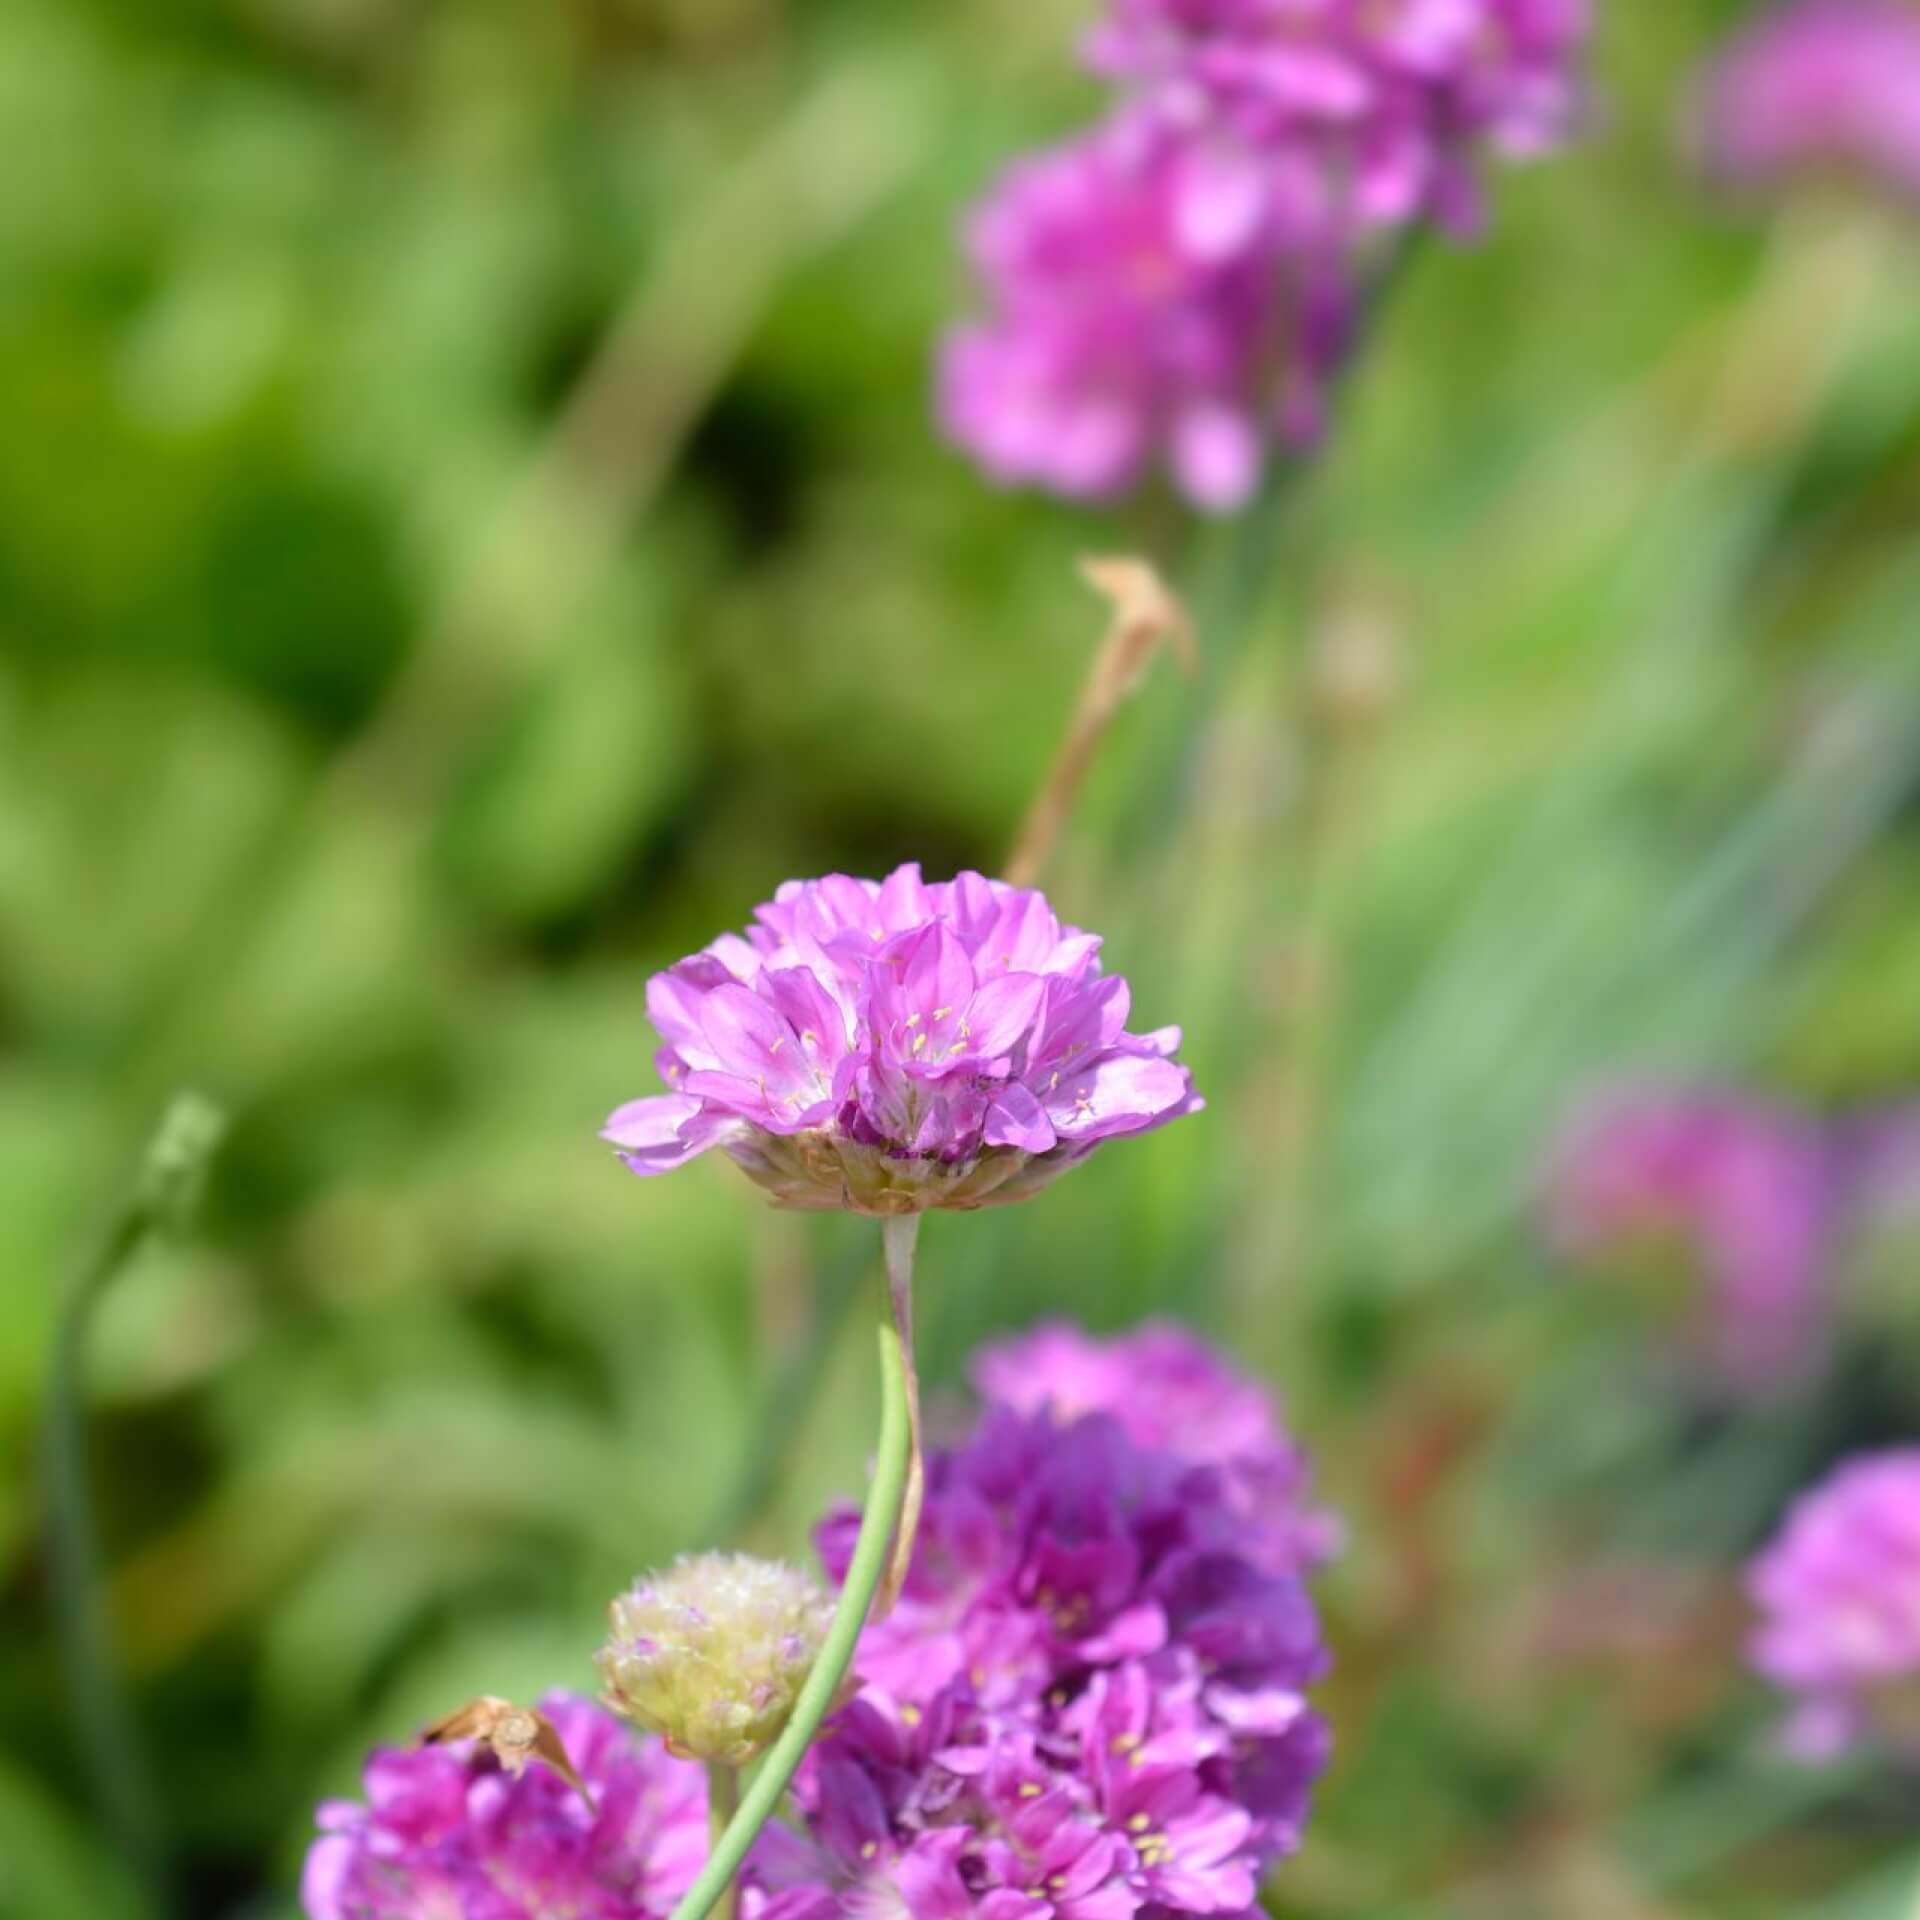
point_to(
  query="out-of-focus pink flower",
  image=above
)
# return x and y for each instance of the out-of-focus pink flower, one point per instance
(1821, 86)
(890, 1047)
(1839, 1598)
(1382, 102)
(1880, 1171)
(1178, 287)
(1735, 1194)
(1147, 305)
(1175, 1394)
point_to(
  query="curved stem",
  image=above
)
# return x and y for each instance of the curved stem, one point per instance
(817, 1697)
(162, 1193)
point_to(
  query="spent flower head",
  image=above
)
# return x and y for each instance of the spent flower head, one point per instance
(713, 1653)
(1838, 1592)
(890, 1047)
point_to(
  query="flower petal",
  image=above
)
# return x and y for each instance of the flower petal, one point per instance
(1017, 1119)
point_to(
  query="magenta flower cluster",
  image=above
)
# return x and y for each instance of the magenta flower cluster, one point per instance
(890, 1046)
(1091, 1702)
(1838, 1594)
(1180, 284)
(1731, 1200)
(446, 1831)
(1171, 1394)
(1822, 87)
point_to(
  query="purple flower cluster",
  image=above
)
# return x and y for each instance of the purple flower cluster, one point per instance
(1089, 1703)
(1825, 86)
(1730, 1192)
(1179, 284)
(1173, 1394)
(893, 1046)
(446, 1831)
(1839, 1597)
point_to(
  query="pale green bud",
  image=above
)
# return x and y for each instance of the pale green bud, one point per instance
(713, 1653)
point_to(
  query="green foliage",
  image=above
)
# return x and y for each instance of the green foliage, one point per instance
(395, 668)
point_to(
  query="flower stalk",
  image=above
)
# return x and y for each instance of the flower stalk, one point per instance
(882, 1514)
(723, 1803)
(898, 1237)
(1145, 616)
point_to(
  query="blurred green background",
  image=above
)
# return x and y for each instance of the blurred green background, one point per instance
(470, 525)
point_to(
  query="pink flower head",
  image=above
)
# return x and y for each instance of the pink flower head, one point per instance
(1091, 1703)
(890, 1047)
(1092, 1689)
(1824, 85)
(1737, 1195)
(1839, 1598)
(446, 1834)
(1174, 1394)
(1381, 100)
(1179, 286)
(1143, 309)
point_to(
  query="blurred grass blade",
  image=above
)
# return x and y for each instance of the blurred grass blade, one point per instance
(164, 1190)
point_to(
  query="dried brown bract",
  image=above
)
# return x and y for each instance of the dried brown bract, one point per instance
(515, 1734)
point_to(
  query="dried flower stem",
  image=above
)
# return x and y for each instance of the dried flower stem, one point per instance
(1145, 615)
(884, 1508)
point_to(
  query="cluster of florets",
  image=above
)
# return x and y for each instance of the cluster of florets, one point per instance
(448, 1831)
(713, 1653)
(1180, 283)
(894, 1046)
(1839, 1598)
(1823, 87)
(1726, 1203)
(1090, 1700)
(1172, 1394)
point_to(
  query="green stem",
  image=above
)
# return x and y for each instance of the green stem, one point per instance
(885, 1499)
(162, 1192)
(723, 1802)
(898, 1237)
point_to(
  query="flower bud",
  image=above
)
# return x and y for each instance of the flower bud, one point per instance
(713, 1653)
